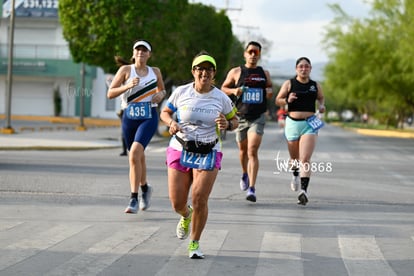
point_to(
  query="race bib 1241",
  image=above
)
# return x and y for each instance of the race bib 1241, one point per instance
(198, 160)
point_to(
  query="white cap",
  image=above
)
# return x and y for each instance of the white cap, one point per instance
(142, 43)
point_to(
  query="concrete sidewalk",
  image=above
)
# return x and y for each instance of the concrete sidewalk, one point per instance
(54, 133)
(92, 138)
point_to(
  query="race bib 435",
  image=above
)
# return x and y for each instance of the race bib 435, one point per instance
(138, 111)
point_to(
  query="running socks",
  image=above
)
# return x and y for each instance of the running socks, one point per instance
(144, 188)
(304, 182)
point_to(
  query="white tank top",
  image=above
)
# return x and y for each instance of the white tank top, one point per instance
(144, 91)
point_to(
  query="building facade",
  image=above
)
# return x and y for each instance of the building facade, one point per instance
(45, 80)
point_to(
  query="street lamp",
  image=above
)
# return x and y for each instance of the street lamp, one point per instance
(8, 128)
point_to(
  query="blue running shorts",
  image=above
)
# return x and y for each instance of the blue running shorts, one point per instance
(140, 131)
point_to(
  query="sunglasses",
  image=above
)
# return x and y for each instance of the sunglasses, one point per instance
(253, 51)
(201, 69)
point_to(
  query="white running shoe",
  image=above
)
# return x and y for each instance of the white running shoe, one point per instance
(132, 206)
(294, 184)
(244, 182)
(145, 200)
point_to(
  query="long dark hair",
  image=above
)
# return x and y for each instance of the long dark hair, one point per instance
(121, 61)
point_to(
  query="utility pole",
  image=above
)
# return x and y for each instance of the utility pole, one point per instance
(8, 128)
(231, 9)
(248, 30)
(82, 126)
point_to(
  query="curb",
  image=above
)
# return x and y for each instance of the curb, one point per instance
(66, 120)
(155, 140)
(377, 132)
(55, 148)
(383, 133)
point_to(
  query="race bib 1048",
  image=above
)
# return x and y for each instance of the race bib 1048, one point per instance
(198, 160)
(252, 95)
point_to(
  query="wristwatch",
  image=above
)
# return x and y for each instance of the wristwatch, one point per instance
(230, 127)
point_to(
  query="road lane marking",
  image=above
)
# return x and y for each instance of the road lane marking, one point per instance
(362, 256)
(30, 246)
(104, 253)
(179, 262)
(280, 254)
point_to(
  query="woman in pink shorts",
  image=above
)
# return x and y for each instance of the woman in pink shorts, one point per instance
(194, 153)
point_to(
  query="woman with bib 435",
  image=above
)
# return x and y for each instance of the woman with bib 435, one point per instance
(141, 88)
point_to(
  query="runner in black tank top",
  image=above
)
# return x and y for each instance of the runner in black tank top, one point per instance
(300, 94)
(250, 87)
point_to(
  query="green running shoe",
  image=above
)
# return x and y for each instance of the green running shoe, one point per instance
(183, 226)
(194, 251)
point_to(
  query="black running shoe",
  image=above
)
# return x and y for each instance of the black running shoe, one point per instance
(303, 198)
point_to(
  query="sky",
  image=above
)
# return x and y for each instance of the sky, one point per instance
(295, 27)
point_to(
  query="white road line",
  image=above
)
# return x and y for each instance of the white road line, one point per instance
(280, 254)
(9, 225)
(155, 149)
(404, 180)
(362, 256)
(104, 253)
(210, 243)
(28, 247)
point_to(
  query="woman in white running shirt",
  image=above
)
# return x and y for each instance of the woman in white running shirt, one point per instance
(194, 153)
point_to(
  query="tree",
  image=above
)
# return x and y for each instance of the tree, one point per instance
(210, 31)
(370, 70)
(99, 30)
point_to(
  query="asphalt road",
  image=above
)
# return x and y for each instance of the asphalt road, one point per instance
(61, 213)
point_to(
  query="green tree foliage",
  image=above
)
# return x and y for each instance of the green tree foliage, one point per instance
(99, 30)
(371, 67)
(207, 30)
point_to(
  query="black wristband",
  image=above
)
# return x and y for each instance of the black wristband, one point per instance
(230, 126)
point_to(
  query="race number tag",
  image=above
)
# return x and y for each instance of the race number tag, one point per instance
(138, 111)
(198, 160)
(253, 96)
(314, 122)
